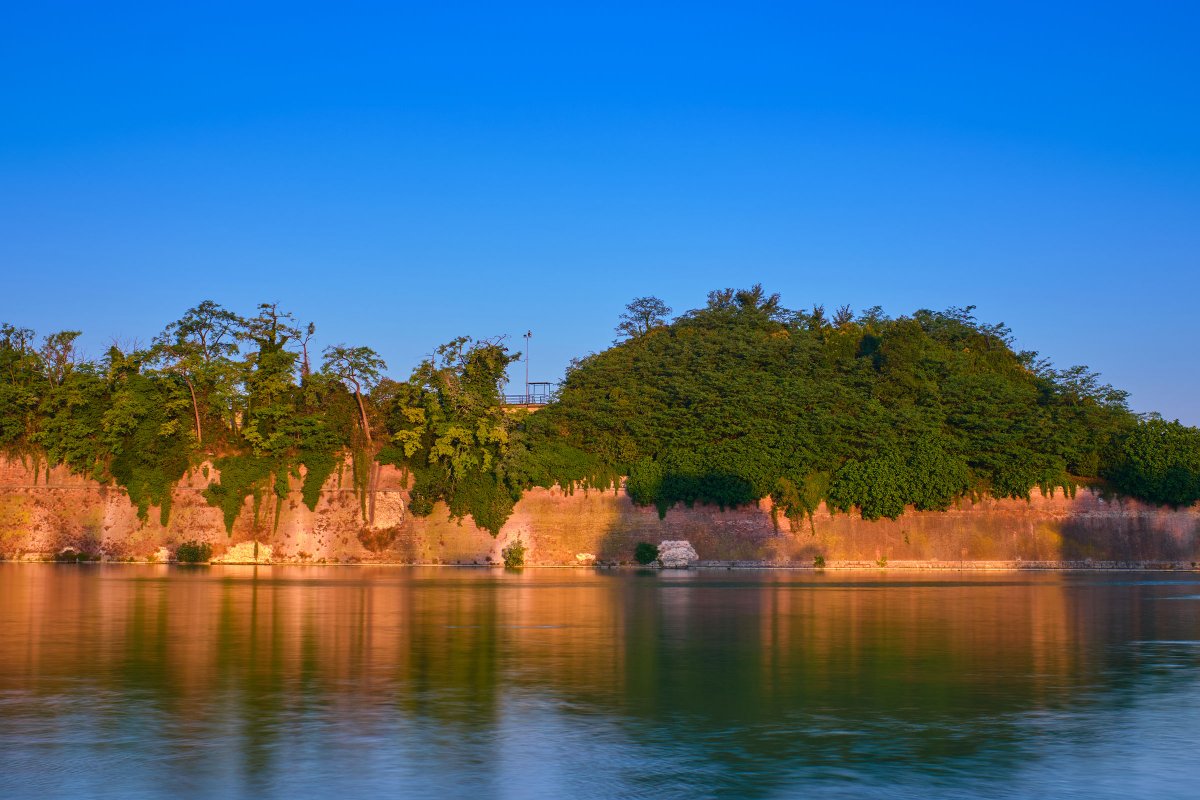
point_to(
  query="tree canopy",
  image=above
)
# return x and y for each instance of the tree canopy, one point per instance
(729, 403)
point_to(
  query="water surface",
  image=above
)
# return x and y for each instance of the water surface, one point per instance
(292, 682)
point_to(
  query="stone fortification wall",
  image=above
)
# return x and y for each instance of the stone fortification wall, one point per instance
(43, 513)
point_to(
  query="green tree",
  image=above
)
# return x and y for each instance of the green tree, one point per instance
(21, 387)
(1159, 461)
(642, 315)
(200, 348)
(360, 368)
(269, 377)
(448, 428)
(58, 355)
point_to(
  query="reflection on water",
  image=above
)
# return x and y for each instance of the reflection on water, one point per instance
(128, 681)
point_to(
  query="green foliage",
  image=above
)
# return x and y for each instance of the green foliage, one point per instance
(641, 316)
(645, 553)
(876, 486)
(318, 467)
(744, 398)
(644, 485)
(538, 455)
(800, 498)
(936, 475)
(485, 497)
(514, 555)
(927, 477)
(149, 445)
(22, 385)
(449, 431)
(360, 369)
(240, 477)
(818, 562)
(282, 485)
(1160, 462)
(727, 404)
(193, 552)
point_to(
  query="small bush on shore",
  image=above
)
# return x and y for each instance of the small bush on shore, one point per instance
(69, 555)
(514, 555)
(645, 553)
(193, 552)
(819, 562)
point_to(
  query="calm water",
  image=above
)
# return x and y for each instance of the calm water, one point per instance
(144, 681)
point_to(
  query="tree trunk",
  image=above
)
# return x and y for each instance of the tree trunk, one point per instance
(373, 470)
(362, 410)
(374, 485)
(195, 409)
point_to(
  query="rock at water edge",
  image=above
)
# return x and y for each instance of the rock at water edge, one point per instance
(677, 554)
(243, 553)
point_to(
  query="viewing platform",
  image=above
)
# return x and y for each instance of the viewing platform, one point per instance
(530, 401)
(536, 396)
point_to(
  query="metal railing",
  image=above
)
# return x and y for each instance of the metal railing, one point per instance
(540, 399)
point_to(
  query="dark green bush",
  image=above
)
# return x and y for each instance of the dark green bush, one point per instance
(1159, 461)
(645, 553)
(193, 552)
(514, 555)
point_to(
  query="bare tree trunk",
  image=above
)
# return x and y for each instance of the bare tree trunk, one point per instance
(362, 410)
(195, 409)
(374, 484)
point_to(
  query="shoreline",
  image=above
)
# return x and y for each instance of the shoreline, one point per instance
(1053, 530)
(701, 566)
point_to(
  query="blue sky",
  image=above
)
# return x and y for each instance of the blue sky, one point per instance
(405, 173)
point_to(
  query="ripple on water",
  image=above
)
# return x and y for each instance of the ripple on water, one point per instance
(286, 684)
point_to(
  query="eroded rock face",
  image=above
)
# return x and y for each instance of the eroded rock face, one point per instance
(674, 555)
(44, 511)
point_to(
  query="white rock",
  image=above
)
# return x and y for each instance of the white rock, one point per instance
(677, 554)
(161, 556)
(583, 558)
(243, 553)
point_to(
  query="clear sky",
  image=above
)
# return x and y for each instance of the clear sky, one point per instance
(405, 173)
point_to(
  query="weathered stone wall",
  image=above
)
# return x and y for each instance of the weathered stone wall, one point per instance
(44, 513)
(41, 513)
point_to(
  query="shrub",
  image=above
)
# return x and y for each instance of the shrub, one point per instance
(377, 539)
(645, 553)
(818, 562)
(514, 555)
(1159, 461)
(193, 552)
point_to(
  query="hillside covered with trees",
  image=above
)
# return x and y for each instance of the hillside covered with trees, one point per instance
(726, 404)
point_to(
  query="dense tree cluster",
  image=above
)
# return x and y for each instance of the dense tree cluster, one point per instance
(726, 404)
(449, 430)
(744, 399)
(238, 390)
